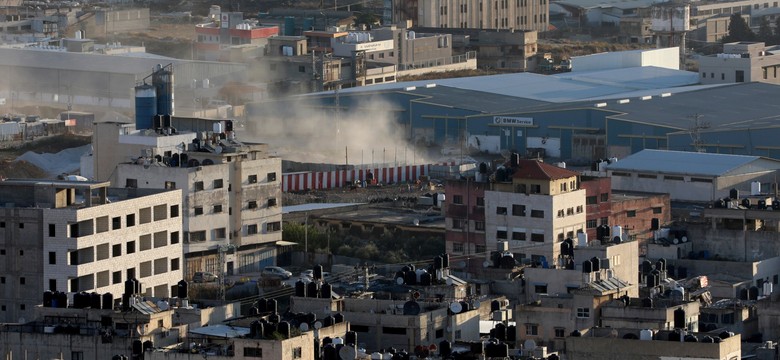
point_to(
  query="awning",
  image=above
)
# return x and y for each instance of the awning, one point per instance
(285, 243)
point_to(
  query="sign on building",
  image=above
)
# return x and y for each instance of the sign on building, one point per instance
(513, 121)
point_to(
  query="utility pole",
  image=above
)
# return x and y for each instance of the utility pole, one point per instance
(222, 253)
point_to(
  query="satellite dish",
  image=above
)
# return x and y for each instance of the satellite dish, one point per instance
(347, 353)
(140, 329)
(475, 304)
(456, 307)
(486, 264)
(411, 308)
(448, 281)
(529, 345)
(163, 305)
(303, 327)
(218, 149)
(317, 325)
(416, 222)
(399, 280)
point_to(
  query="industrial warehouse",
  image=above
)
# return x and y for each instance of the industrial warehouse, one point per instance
(576, 117)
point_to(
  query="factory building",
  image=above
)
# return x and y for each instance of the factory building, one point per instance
(576, 117)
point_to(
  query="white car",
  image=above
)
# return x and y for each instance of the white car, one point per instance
(277, 272)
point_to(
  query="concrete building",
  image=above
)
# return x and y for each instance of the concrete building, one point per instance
(231, 191)
(82, 236)
(741, 62)
(106, 22)
(605, 343)
(473, 14)
(496, 49)
(228, 37)
(690, 176)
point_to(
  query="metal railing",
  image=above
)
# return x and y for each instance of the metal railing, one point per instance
(457, 59)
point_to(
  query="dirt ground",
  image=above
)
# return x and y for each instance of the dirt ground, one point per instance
(22, 169)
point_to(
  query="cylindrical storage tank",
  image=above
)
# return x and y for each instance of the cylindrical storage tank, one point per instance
(679, 319)
(284, 328)
(289, 26)
(162, 79)
(254, 327)
(617, 230)
(755, 188)
(674, 336)
(651, 280)
(329, 352)
(647, 302)
(690, 338)
(328, 321)
(274, 318)
(410, 278)
(137, 285)
(445, 258)
(500, 332)
(419, 273)
(261, 304)
(350, 338)
(271, 306)
(317, 272)
(326, 291)
(647, 267)
(646, 334)
(217, 127)
(313, 289)
(734, 194)
(300, 288)
(138, 347)
(308, 24)
(182, 289)
(660, 264)
(145, 106)
(47, 296)
(338, 341)
(595, 264)
(437, 263)
(107, 301)
(268, 330)
(426, 279)
(129, 287)
(587, 267)
(95, 300)
(338, 318)
(511, 333)
(753, 293)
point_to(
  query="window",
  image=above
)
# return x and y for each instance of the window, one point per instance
(116, 223)
(393, 330)
(160, 239)
(116, 277)
(604, 221)
(560, 332)
(560, 213)
(675, 178)
(22, 280)
(457, 247)
(197, 186)
(160, 266)
(531, 329)
(302, 69)
(174, 211)
(457, 199)
(198, 236)
(218, 184)
(252, 179)
(518, 210)
(518, 235)
(537, 237)
(145, 215)
(253, 352)
(590, 200)
(101, 251)
(217, 209)
(458, 223)
(170, 185)
(174, 237)
(479, 225)
(146, 269)
(131, 273)
(251, 229)
(537, 213)
(657, 210)
(631, 213)
(501, 210)
(480, 249)
(501, 234)
(52, 230)
(52, 258)
(175, 264)
(198, 210)
(579, 209)
(219, 233)
(271, 176)
(540, 289)
(252, 204)
(583, 313)
(273, 226)
(727, 318)
(591, 224)
(271, 202)
(130, 220)
(53, 284)
(131, 183)
(480, 201)
(297, 352)
(145, 242)
(130, 247)
(76, 355)
(536, 189)
(604, 197)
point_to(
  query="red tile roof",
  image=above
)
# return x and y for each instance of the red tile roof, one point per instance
(537, 170)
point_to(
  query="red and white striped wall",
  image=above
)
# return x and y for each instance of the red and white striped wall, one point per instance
(310, 180)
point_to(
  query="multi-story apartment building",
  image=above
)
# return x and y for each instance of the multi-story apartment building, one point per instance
(481, 14)
(228, 37)
(82, 236)
(741, 62)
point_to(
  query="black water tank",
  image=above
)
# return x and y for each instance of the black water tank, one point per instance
(317, 272)
(317, 355)
(746, 202)
(495, 305)
(271, 305)
(500, 331)
(95, 300)
(138, 347)
(255, 329)
(410, 278)
(753, 293)
(445, 258)
(679, 318)
(329, 352)
(107, 301)
(647, 267)
(268, 329)
(129, 287)
(328, 321)
(445, 349)
(497, 350)
(261, 305)
(595, 264)
(576, 333)
(300, 288)
(350, 338)
(326, 290)
(313, 289)
(283, 328)
(647, 302)
(47, 296)
(660, 264)
(511, 333)
(674, 336)
(734, 194)
(426, 279)
(690, 338)
(274, 318)
(483, 168)
(587, 267)
(652, 280)
(182, 289)
(338, 318)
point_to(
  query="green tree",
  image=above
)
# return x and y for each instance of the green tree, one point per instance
(738, 30)
(765, 31)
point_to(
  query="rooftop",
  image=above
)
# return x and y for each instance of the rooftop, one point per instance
(692, 163)
(537, 170)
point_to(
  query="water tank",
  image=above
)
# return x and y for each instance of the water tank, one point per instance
(300, 288)
(162, 79)
(412, 35)
(289, 26)
(274, 318)
(500, 331)
(426, 279)
(438, 263)
(145, 106)
(646, 334)
(679, 318)
(582, 239)
(338, 340)
(271, 305)
(47, 297)
(326, 290)
(753, 293)
(338, 318)
(651, 280)
(595, 264)
(661, 264)
(587, 267)
(107, 301)
(647, 302)
(445, 258)
(445, 349)
(182, 289)
(217, 127)
(617, 230)
(755, 188)
(308, 24)
(329, 352)
(317, 272)
(410, 278)
(283, 328)
(313, 289)
(350, 338)
(734, 194)
(328, 321)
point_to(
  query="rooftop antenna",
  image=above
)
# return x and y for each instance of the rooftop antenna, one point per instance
(695, 132)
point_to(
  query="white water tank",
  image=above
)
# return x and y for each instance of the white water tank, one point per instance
(217, 127)
(646, 334)
(617, 230)
(582, 239)
(755, 188)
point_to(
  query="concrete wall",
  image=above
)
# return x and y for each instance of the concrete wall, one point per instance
(604, 348)
(668, 58)
(21, 240)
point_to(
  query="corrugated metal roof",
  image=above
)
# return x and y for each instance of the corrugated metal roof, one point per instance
(118, 64)
(146, 307)
(684, 162)
(222, 331)
(620, 4)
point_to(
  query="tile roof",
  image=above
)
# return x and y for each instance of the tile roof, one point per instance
(534, 169)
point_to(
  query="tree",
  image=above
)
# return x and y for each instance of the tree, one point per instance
(738, 30)
(765, 31)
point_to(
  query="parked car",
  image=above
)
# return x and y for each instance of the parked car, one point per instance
(275, 271)
(204, 277)
(309, 274)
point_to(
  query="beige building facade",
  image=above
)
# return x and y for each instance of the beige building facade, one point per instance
(480, 14)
